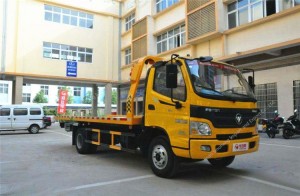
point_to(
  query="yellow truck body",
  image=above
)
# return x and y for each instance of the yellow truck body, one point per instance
(210, 113)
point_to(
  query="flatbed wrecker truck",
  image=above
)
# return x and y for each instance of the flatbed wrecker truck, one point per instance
(194, 108)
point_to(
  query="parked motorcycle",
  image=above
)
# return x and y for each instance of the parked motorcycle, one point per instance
(291, 127)
(273, 125)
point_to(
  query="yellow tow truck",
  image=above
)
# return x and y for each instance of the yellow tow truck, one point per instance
(194, 108)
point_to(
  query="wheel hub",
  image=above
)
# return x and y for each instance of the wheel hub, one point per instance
(159, 157)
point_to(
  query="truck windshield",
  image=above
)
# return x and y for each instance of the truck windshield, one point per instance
(219, 81)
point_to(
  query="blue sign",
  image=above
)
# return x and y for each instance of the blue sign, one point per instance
(71, 68)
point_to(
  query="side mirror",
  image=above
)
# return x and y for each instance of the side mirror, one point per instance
(251, 82)
(171, 74)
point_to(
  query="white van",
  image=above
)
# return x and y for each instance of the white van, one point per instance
(21, 117)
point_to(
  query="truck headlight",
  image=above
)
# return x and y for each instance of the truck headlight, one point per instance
(199, 128)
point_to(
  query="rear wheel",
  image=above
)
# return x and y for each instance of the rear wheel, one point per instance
(162, 160)
(34, 129)
(82, 146)
(221, 162)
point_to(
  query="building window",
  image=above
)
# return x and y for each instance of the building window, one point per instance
(163, 4)
(172, 39)
(129, 21)
(77, 91)
(68, 16)
(26, 97)
(296, 93)
(66, 52)
(127, 56)
(45, 90)
(266, 95)
(4, 88)
(244, 11)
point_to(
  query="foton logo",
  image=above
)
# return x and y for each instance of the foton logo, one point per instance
(238, 118)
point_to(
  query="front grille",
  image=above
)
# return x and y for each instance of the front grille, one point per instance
(226, 117)
(234, 136)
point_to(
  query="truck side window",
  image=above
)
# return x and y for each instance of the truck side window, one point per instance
(5, 112)
(179, 93)
(35, 111)
(20, 111)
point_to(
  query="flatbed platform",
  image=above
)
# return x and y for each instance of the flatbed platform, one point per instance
(110, 119)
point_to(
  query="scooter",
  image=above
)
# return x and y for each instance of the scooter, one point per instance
(273, 125)
(291, 127)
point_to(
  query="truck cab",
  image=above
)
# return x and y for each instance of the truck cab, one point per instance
(205, 109)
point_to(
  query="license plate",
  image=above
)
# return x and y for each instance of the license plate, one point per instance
(240, 147)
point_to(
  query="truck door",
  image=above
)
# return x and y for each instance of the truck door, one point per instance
(5, 118)
(20, 118)
(160, 110)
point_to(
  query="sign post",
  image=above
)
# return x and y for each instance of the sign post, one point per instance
(71, 69)
(62, 102)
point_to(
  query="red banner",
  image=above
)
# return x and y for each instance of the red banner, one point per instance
(62, 101)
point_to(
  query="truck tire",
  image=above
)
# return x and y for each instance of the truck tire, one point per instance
(221, 162)
(34, 129)
(82, 146)
(162, 160)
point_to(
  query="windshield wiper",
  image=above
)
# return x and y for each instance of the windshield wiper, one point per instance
(207, 88)
(234, 93)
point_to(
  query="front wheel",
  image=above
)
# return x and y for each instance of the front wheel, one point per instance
(34, 129)
(82, 146)
(221, 162)
(162, 160)
(287, 134)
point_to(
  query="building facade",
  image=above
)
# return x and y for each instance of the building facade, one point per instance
(263, 35)
(105, 39)
(63, 43)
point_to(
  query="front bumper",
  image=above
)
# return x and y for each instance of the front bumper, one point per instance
(221, 148)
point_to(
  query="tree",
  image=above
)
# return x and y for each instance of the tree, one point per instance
(40, 98)
(88, 98)
(114, 97)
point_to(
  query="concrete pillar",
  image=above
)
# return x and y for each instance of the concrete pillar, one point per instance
(17, 90)
(95, 100)
(108, 92)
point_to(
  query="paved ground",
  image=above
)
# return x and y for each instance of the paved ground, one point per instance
(47, 164)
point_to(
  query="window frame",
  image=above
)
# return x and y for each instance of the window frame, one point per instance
(26, 97)
(128, 56)
(129, 21)
(164, 4)
(4, 88)
(67, 52)
(160, 87)
(267, 95)
(249, 5)
(77, 91)
(6, 111)
(68, 16)
(171, 36)
(296, 96)
(45, 89)
(35, 111)
(20, 111)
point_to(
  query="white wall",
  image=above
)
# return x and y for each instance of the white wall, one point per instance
(284, 78)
